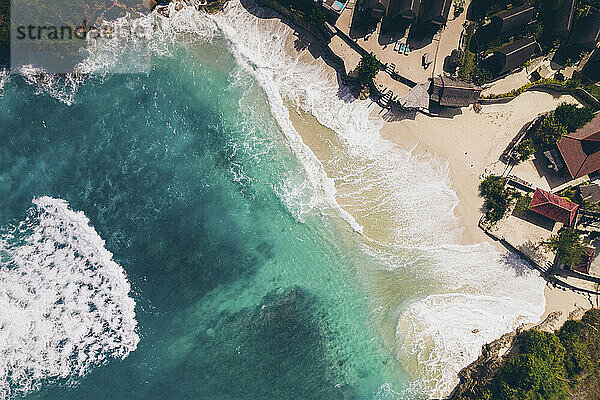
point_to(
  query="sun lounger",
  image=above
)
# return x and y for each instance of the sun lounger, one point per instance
(397, 45)
(406, 49)
(401, 49)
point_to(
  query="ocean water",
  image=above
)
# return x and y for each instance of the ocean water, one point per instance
(166, 233)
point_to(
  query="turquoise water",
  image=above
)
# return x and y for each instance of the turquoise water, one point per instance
(240, 293)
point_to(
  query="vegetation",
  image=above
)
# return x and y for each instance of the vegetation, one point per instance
(368, 67)
(572, 117)
(567, 245)
(468, 61)
(524, 88)
(548, 132)
(524, 149)
(549, 366)
(572, 194)
(316, 17)
(497, 197)
(522, 205)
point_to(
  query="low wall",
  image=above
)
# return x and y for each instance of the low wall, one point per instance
(580, 94)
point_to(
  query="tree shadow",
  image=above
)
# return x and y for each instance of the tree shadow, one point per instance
(395, 114)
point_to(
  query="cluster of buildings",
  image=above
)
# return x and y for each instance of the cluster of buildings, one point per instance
(576, 158)
(576, 38)
(396, 15)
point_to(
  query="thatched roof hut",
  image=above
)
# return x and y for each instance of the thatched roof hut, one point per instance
(562, 20)
(435, 11)
(452, 93)
(513, 55)
(585, 34)
(513, 19)
(373, 9)
(403, 9)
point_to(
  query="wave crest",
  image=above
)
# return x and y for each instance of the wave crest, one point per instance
(64, 302)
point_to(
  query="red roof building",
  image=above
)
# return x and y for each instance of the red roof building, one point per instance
(581, 149)
(554, 207)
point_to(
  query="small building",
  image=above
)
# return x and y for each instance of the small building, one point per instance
(513, 55)
(435, 12)
(586, 260)
(585, 34)
(452, 93)
(581, 149)
(562, 20)
(417, 98)
(554, 207)
(590, 193)
(373, 10)
(513, 20)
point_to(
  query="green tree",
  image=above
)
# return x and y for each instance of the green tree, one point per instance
(496, 197)
(368, 67)
(316, 17)
(572, 117)
(548, 132)
(524, 149)
(529, 377)
(567, 246)
(572, 335)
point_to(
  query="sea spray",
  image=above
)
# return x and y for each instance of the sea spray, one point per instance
(478, 292)
(64, 302)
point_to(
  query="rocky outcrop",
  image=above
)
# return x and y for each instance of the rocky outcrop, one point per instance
(477, 375)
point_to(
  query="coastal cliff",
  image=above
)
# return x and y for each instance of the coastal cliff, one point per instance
(541, 362)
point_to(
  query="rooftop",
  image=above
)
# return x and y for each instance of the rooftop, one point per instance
(554, 207)
(581, 150)
(514, 18)
(452, 93)
(514, 54)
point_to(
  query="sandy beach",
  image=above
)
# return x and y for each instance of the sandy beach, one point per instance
(471, 144)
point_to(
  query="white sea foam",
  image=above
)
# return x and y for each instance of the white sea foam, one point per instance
(64, 302)
(4, 78)
(478, 288)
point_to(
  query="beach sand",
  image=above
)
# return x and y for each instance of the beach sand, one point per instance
(471, 143)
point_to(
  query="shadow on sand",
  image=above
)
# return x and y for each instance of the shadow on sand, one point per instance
(306, 41)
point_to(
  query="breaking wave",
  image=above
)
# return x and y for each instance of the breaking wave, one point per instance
(390, 195)
(64, 301)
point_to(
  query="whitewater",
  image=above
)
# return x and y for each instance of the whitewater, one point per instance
(65, 305)
(436, 292)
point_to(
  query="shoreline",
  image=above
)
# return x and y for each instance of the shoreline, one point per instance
(488, 132)
(451, 140)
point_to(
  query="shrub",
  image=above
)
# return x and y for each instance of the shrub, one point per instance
(522, 205)
(567, 246)
(524, 149)
(572, 117)
(496, 197)
(368, 67)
